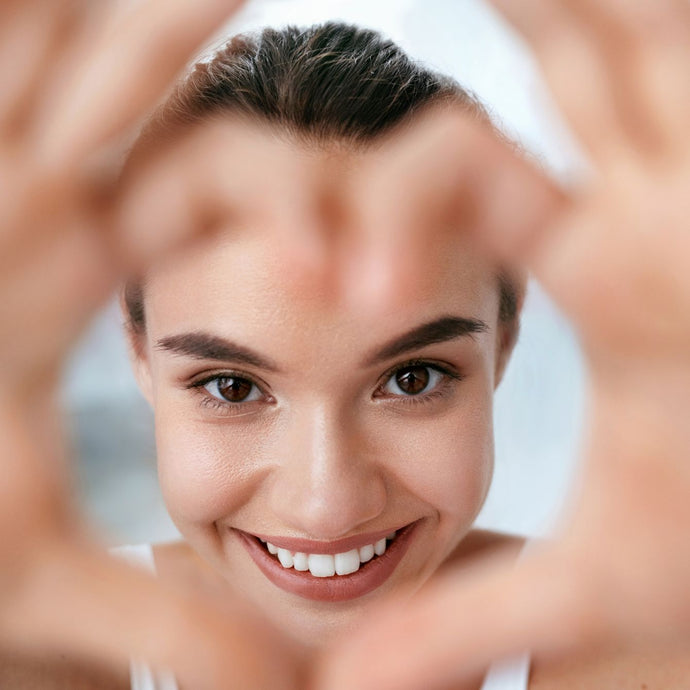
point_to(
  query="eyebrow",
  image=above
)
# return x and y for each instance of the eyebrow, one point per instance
(438, 331)
(200, 345)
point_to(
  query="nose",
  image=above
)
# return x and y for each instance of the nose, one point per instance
(327, 482)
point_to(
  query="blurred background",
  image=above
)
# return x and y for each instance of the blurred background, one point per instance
(539, 404)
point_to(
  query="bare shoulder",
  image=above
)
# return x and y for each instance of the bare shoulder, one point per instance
(662, 670)
(57, 673)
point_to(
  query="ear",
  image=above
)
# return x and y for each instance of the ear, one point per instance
(506, 338)
(515, 285)
(138, 353)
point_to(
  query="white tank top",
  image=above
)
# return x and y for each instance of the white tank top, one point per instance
(511, 675)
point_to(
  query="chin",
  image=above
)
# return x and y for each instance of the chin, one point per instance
(316, 610)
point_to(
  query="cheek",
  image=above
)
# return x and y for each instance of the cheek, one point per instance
(206, 470)
(447, 461)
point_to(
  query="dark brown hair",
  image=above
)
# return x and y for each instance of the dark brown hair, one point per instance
(328, 82)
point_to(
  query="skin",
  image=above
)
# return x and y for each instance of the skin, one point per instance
(328, 445)
(618, 69)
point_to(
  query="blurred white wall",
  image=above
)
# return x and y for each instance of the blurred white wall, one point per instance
(539, 404)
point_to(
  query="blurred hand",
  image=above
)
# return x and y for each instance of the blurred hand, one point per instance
(620, 565)
(614, 253)
(77, 78)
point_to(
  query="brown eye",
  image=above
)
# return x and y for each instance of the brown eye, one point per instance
(413, 380)
(416, 380)
(233, 389)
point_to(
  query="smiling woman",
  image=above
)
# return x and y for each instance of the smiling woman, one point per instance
(315, 458)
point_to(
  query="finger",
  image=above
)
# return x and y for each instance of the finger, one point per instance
(34, 483)
(658, 62)
(123, 73)
(452, 174)
(574, 70)
(224, 175)
(67, 279)
(32, 40)
(405, 202)
(643, 46)
(77, 602)
(452, 631)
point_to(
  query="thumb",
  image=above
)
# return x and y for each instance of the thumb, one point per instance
(449, 173)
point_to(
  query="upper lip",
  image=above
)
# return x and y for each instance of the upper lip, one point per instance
(297, 545)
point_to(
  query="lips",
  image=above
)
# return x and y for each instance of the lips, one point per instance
(309, 569)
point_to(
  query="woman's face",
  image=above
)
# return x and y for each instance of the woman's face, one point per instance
(283, 416)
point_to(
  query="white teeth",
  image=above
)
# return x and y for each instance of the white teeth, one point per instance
(321, 565)
(326, 565)
(285, 558)
(346, 563)
(366, 553)
(301, 562)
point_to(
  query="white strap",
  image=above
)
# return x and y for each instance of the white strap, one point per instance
(508, 675)
(141, 676)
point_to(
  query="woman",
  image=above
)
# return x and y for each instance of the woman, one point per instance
(317, 458)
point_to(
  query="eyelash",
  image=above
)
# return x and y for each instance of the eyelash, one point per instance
(448, 376)
(229, 408)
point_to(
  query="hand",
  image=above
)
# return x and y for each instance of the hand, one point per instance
(77, 76)
(613, 252)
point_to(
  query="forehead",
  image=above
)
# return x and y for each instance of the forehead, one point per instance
(253, 280)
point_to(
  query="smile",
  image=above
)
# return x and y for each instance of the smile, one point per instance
(329, 571)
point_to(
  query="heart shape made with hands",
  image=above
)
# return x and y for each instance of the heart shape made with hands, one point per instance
(597, 249)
